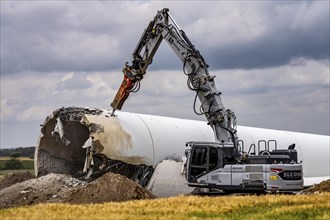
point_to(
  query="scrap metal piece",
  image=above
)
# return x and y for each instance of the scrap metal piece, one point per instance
(59, 132)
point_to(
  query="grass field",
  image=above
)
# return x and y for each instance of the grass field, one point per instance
(187, 207)
(27, 163)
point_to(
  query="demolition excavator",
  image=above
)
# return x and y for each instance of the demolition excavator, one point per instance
(223, 164)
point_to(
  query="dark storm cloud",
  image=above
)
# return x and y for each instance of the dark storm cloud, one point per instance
(280, 32)
(61, 36)
(277, 49)
(97, 36)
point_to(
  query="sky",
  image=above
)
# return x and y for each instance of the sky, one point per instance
(270, 59)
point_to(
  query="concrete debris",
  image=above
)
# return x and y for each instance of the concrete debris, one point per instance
(38, 190)
(66, 189)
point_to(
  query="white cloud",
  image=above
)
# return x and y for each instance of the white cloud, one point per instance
(300, 72)
(226, 26)
(288, 97)
(305, 83)
(6, 110)
(34, 113)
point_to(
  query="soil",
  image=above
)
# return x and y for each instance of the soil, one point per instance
(109, 188)
(15, 177)
(318, 188)
(66, 189)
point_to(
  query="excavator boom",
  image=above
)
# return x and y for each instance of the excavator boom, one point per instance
(163, 27)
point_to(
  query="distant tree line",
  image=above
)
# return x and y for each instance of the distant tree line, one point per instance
(14, 163)
(18, 152)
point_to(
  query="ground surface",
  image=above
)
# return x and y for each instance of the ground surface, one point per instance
(264, 207)
(23, 189)
(13, 178)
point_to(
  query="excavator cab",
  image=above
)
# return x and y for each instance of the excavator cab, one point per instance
(203, 158)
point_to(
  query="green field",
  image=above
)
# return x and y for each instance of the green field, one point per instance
(27, 165)
(316, 206)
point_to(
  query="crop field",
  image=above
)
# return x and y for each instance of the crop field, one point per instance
(20, 158)
(315, 206)
(27, 164)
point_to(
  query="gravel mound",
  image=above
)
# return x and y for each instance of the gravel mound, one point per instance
(48, 188)
(61, 188)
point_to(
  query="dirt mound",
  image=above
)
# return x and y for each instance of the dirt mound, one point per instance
(109, 188)
(66, 189)
(318, 188)
(16, 177)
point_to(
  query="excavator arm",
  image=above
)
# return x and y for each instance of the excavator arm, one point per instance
(142, 58)
(163, 27)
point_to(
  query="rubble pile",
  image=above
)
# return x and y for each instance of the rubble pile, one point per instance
(63, 188)
(48, 188)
